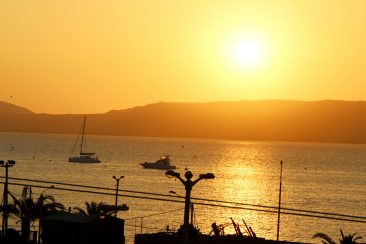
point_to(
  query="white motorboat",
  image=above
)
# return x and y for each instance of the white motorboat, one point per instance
(163, 163)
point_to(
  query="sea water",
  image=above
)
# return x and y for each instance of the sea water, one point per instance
(316, 177)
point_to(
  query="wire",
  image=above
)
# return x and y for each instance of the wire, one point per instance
(207, 202)
(92, 187)
(200, 199)
(146, 216)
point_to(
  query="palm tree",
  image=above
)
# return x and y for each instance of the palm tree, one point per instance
(28, 210)
(348, 239)
(93, 208)
(326, 239)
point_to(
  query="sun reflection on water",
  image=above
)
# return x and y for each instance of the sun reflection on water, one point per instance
(322, 177)
(242, 176)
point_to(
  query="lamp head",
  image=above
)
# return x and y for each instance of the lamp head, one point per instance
(207, 176)
(11, 162)
(172, 173)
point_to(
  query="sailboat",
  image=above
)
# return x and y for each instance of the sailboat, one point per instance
(84, 157)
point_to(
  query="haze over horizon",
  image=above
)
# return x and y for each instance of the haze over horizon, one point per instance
(61, 57)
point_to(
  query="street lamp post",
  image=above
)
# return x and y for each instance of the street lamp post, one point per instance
(6, 165)
(192, 207)
(116, 199)
(40, 199)
(188, 184)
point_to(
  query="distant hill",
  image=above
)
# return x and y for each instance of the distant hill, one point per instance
(8, 108)
(275, 120)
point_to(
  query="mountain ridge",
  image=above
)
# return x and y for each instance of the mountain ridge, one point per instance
(262, 120)
(8, 108)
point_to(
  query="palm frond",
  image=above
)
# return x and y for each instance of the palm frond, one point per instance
(48, 198)
(25, 191)
(93, 208)
(325, 237)
(349, 239)
(80, 211)
(15, 199)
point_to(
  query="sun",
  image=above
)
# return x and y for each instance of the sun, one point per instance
(247, 52)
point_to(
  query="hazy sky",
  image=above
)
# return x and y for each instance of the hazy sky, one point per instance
(91, 56)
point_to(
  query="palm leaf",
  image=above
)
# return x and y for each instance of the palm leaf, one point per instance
(325, 237)
(93, 208)
(81, 211)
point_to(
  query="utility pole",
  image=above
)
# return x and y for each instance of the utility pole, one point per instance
(6, 165)
(279, 205)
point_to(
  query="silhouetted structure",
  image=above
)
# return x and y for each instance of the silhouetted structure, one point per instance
(12, 237)
(8, 164)
(171, 238)
(63, 227)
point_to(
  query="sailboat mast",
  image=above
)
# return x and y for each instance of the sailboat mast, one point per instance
(82, 136)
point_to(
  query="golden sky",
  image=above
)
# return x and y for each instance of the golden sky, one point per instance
(91, 56)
